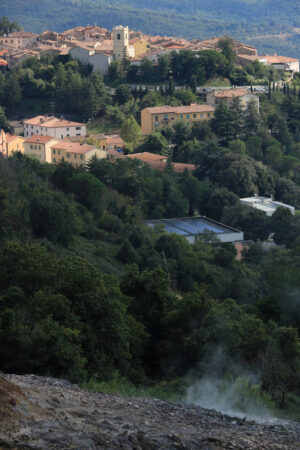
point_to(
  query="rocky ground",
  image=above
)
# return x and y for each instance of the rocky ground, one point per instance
(45, 413)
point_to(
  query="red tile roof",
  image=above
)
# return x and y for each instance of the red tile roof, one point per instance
(52, 122)
(73, 147)
(147, 157)
(274, 59)
(180, 109)
(37, 139)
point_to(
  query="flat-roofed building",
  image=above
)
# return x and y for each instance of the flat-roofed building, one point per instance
(40, 146)
(75, 153)
(157, 117)
(266, 204)
(191, 227)
(53, 126)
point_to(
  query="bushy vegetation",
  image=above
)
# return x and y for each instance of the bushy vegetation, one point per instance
(172, 304)
(90, 293)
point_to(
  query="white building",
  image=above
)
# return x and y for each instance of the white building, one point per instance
(53, 127)
(87, 54)
(266, 204)
(283, 63)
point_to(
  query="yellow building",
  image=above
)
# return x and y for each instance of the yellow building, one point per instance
(14, 144)
(140, 46)
(154, 118)
(75, 153)
(110, 142)
(40, 146)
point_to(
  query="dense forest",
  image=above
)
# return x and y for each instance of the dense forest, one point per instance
(89, 292)
(255, 22)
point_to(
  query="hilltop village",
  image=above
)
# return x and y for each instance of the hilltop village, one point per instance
(149, 216)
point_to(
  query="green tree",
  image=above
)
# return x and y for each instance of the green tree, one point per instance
(156, 143)
(123, 94)
(130, 132)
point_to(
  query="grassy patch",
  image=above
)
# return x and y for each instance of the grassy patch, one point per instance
(218, 82)
(102, 125)
(170, 391)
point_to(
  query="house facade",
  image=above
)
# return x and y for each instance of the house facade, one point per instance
(226, 96)
(157, 117)
(14, 144)
(75, 153)
(40, 146)
(53, 127)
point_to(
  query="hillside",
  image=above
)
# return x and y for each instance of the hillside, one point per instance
(264, 24)
(47, 413)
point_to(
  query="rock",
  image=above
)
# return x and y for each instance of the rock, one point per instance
(46, 413)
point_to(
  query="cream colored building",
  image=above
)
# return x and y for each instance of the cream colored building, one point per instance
(75, 153)
(121, 43)
(226, 96)
(40, 146)
(283, 63)
(54, 127)
(14, 144)
(154, 118)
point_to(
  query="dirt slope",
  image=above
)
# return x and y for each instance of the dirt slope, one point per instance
(45, 413)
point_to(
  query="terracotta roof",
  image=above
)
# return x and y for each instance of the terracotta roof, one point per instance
(73, 147)
(114, 140)
(180, 109)
(274, 59)
(3, 52)
(51, 122)
(10, 137)
(115, 154)
(36, 139)
(177, 167)
(3, 62)
(147, 157)
(228, 93)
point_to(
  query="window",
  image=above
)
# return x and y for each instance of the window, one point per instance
(78, 128)
(31, 146)
(181, 116)
(58, 152)
(67, 129)
(156, 118)
(39, 147)
(187, 116)
(208, 114)
(68, 135)
(75, 156)
(78, 134)
(165, 116)
(26, 126)
(31, 126)
(201, 114)
(68, 155)
(81, 156)
(118, 36)
(156, 124)
(35, 147)
(54, 151)
(54, 159)
(194, 115)
(62, 136)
